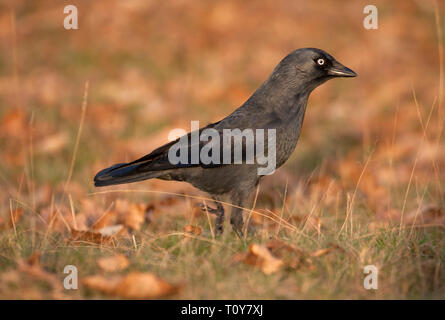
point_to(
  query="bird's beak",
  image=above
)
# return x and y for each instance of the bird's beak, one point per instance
(339, 70)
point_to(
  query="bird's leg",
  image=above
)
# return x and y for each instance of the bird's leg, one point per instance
(219, 225)
(219, 212)
(236, 220)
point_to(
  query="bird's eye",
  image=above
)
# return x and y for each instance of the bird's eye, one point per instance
(320, 62)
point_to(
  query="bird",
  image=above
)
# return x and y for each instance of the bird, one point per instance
(279, 104)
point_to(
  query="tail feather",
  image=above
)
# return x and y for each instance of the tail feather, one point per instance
(122, 173)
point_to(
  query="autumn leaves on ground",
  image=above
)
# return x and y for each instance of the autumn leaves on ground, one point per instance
(365, 185)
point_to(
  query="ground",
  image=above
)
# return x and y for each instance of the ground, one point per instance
(363, 187)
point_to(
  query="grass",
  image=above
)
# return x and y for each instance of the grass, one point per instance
(361, 166)
(409, 262)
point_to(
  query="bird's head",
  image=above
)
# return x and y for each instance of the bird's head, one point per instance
(308, 68)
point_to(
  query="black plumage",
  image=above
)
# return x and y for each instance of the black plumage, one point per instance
(279, 103)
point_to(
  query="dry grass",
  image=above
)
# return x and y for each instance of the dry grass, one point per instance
(364, 186)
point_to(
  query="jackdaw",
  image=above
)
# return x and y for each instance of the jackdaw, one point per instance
(279, 103)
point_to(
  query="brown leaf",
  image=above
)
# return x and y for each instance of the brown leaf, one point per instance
(193, 229)
(292, 256)
(103, 284)
(131, 215)
(196, 212)
(115, 263)
(88, 236)
(325, 251)
(101, 236)
(52, 144)
(261, 257)
(111, 231)
(135, 216)
(276, 246)
(144, 286)
(321, 252)
(13, 123)
(34, 259)
(135, 285)
(107, 219)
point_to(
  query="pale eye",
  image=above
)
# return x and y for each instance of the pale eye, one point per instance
(320, 62)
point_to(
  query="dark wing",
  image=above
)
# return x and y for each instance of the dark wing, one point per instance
(149, 166)
(152, 165)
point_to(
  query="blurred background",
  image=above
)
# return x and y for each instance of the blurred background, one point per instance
(153, 66)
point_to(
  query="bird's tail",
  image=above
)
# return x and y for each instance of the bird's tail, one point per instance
(123, 173)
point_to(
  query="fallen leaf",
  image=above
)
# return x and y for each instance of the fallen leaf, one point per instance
(111, 231)
(135, 285)
(196, 212)
(321, 252)
(11, 277)
(34, 259)
(115, 263)
(88, 236)
(144, 286)
(277, 245)
(103, 284)
(107, 219)
(13, 123)
(193, 229)
(131, 215)
(135, 216)
(292, 256)
(101, 236)
(261, 257)
(325, 251)
(52, 144)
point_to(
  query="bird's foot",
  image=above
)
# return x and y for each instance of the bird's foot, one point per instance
(219, 225)
(239, 232)
(236, 220)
